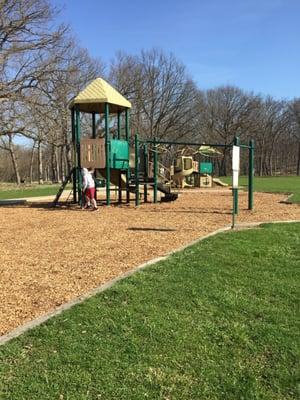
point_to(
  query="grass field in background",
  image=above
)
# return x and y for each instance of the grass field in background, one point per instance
(219, 320)
(288, 184)
(274, 184)
(15, 192)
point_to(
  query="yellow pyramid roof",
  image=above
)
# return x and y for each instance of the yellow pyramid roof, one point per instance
(96, 94)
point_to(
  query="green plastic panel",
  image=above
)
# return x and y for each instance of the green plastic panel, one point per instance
(206, 168)
(119, 154)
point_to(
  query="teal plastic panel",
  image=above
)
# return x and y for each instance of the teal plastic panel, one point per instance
(119, 154)
(206, 168)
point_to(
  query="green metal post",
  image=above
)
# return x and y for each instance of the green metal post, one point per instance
(155, 169)
(119, 125)
(146, 173)
(107, 153)
(236, 142)
(251, 175)
(94, 137)
(127, 137)
(74, 155)
(120, 177)
(235, 201)
(136, 169)
(94, 125)
(78, 166)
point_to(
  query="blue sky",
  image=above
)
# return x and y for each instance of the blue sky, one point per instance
(253, 44)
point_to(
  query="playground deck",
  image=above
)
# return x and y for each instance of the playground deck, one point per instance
(50, 256)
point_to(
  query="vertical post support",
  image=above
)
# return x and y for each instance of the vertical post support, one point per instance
(107, 153)
(146, 172)
(119, 125)
(74, 155)
(120, 173)
(251, 175)
(127, 133)
(155, 169)
(78, 166)
(136, 169)
(94, 125)
(236, 142)
(94, 137)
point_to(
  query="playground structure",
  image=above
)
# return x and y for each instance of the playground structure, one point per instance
(198, 172)
(136, 168)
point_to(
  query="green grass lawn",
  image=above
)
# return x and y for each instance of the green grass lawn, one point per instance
(288, 184)
(14, 192)
(219, 320)
(280, 184)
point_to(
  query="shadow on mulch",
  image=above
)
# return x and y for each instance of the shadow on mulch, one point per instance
(195, 211)
(152, 229)
(70, 206)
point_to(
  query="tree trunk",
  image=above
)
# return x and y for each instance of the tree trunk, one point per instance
(40, 163)
(298, 160)
(14, 159)
(62, 164)
(57, 164)
(31, 163)
(69, 157)
(53, 171)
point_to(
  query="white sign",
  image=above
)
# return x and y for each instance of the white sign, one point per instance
(235, 179)
(235, 158)
(235, 166)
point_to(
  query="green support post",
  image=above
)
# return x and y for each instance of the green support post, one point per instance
(155, 170)
(78, 169)
(119, 125)
(94, 137)
(146, 173)
(120, 177)
(136, 170)
(107, 154)
(94, 125)
(235, 201)
(251, 175)
(236, 142)
(127, 133)
(74, 155)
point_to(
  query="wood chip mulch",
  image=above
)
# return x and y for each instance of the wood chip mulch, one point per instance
(50, 256)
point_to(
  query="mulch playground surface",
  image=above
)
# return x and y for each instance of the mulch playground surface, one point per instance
(50, 256)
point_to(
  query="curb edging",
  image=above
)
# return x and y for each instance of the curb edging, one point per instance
(80, 299)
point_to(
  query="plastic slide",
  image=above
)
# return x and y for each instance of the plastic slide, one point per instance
(219, 182)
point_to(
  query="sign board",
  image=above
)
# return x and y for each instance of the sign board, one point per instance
(235, 166)
(235, 158)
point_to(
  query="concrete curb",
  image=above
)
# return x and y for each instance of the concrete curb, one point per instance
(38, 321)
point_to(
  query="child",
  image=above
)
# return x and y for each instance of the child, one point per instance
(85, 200)
(88, 188)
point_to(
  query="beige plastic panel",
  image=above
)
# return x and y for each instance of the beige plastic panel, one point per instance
(92, 153)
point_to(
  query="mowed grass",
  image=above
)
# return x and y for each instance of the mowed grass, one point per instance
(288, 184)
(15, 192)
(274, 184)
(219, 320)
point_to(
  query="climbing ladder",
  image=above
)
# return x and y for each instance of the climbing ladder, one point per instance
(62, 188)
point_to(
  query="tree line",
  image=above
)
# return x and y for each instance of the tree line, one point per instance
(42, 68)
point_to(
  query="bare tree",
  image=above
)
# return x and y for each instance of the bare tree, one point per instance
(27, 43)
(163, 95)
(294, 109)
(6, 143)
(270, 124)
(227, 112)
